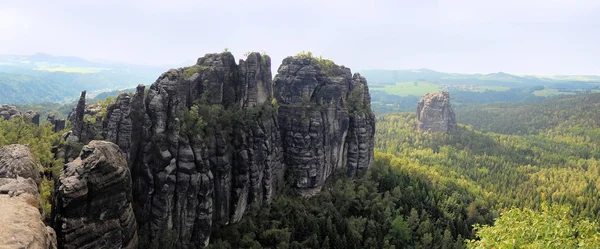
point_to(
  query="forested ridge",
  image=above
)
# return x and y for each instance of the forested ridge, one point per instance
(570, 115)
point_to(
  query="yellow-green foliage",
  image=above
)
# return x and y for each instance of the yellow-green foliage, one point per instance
(40, 140)
(89, 119)
(103, 106)
(356, 101)
(46, 188)
(192, 123)
(553, 227)
(503, 170)
(190, 71)
(275, 105)
(326, 65)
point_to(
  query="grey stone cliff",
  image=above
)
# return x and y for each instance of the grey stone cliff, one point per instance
(434, 113)
(205, 142)
(323, 127)
(93, 202)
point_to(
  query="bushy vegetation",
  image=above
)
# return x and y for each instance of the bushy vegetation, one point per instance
(188, 72)
(40, 140)
(356, 101)
(202, 119)
(551, 227)
(326, 66)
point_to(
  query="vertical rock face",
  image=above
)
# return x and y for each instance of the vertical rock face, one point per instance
(117, 126)
(58, 124)
(22, 225)
(325, 119)
(434, 113)
(204, 142)
(192, 174)
(93, 203)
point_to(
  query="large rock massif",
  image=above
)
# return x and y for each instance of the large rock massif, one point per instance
(434, 113)
(21, 224)
(93, 202)
(206, 141)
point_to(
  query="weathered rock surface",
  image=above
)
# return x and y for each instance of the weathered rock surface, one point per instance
(434, 113)
(323, 127)
(204, 142)
(93, 202)
(8, 111)
(20, 208)
(58, 124)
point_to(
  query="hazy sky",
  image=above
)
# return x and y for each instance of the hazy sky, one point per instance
(515, 36)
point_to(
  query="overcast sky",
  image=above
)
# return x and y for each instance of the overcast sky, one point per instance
(514, 36)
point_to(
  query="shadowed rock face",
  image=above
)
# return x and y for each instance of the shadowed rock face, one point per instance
(20, 209)
(434, 113)
(188, 182)
(93, 202)
(58, 124)
(322, 128)
(204, 142)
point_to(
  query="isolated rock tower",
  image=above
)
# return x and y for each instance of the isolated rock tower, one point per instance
(434, 113)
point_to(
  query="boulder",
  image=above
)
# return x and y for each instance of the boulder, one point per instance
(20, 204)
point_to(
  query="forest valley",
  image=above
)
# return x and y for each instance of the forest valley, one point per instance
(511, 176)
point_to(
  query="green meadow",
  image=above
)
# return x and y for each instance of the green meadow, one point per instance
(409, 88)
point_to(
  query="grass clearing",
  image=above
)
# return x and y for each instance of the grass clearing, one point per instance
(550, 92)
(409, 88)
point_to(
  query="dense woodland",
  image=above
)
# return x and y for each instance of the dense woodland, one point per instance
(534, 171)
(430, 190)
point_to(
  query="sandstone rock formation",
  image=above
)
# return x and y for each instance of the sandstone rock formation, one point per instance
(325, 119)
(434, 113)
(58, 124)
(8, 111)
(93, 203)
(204, 142)
(20, 208)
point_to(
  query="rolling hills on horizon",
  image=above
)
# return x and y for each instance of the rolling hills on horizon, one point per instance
(44, 78)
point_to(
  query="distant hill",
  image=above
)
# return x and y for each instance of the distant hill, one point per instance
(43, 78)
(493, 79)
(399, 90)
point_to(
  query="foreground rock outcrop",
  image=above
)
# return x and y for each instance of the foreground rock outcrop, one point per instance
(20, 208)
(434, 113)
(93, 203)
(205, 142)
